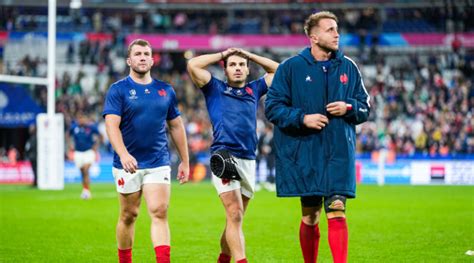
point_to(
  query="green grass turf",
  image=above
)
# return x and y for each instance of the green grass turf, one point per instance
(386, 224)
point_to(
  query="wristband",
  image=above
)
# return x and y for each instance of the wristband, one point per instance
(222, 55)
(348, 106)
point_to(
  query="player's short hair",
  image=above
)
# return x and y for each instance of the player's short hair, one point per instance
(139, 42)
(236, 54)
(313, 20)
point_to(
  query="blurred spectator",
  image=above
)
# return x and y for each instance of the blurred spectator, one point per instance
(266, 160)
(12, 155)
(31, 150)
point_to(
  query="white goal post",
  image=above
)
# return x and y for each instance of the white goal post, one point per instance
(51, 125)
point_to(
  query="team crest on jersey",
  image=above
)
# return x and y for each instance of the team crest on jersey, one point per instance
(162, 92)
(133, 94)
(249, 90)
(239, 92)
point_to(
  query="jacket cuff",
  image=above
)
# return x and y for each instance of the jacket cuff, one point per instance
(351, 110)
(301, 122)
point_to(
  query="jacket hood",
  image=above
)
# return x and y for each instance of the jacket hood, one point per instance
(306, 54)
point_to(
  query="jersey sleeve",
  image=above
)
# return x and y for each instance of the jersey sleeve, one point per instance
(262, 87)
(173, 110)
(211, 87)
(71, 129)
(95, 129)
(113, 102)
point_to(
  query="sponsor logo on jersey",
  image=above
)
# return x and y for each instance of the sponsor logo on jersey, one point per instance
(228, 90)
(133, 94)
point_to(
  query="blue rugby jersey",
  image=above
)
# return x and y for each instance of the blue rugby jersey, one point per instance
(233, 113)
(83, 136)
(144, 110)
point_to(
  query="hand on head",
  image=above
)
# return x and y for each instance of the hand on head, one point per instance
(233, 50)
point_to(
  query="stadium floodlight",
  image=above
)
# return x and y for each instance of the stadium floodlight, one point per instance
(75, 4)
(50, 132)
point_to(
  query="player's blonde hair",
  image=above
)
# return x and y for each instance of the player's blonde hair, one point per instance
(313, 20)
(139, 42)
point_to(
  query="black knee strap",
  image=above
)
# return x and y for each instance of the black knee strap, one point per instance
(335, 203)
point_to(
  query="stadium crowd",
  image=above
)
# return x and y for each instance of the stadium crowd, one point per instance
(450, 18)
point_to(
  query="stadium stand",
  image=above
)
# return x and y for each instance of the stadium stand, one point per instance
(422, 100)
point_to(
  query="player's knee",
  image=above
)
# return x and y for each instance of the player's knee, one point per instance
(310, 220)
(311, 209)
(128, 217)
(159, 212)
(335, 206)
(235, 215)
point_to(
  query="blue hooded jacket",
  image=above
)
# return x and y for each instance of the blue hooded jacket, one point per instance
(308, 161)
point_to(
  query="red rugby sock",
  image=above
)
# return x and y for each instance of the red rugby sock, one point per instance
(125, 255)
(309, 242)
(338, 239)
(224, 258)
(162, 254)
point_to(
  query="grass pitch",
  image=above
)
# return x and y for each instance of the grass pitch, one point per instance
(386, 224)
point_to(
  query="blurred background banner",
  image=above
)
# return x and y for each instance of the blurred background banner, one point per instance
(217, 42)
(17, 108)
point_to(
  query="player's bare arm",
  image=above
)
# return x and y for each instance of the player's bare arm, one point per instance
(337, 108)
(112, 127)
(315, 121)
(178, 134)
(267, 64)
(197, 66)
(98, 140)
(69, 142)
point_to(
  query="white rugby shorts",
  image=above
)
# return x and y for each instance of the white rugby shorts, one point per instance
(83, 158)
(127, 183)
(246, 169)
